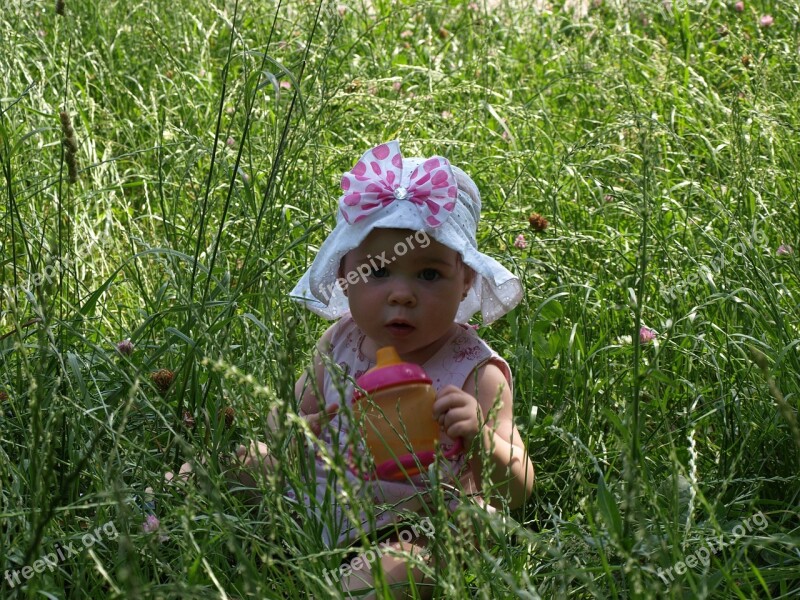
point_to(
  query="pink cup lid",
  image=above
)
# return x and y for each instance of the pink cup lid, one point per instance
(389, 371)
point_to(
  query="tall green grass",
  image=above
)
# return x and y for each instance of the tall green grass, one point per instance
(659, 141)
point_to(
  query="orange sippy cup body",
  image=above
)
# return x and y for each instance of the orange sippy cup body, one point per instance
(394, 404)
(398, 421)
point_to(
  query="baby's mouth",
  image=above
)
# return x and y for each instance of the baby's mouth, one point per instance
(400, 327)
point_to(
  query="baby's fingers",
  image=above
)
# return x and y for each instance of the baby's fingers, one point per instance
(450, 397)
(318, 420)
(252, 455)
(241, 452)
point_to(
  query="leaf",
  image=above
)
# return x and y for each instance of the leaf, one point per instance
(609, 509)
(72, 361)
(179, 334)
(552, 311)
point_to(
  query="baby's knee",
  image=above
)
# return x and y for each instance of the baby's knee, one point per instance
(404, 556)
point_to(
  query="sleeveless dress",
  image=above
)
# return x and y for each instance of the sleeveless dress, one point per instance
(458, 357)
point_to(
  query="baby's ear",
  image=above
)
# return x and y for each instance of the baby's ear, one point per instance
(469, 276)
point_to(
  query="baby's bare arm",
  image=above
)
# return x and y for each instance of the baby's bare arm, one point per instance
(510, 467)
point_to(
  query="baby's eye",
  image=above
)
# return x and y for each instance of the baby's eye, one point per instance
(429, 274)
(378, 273)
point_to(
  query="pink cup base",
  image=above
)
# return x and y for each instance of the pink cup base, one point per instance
(409, 464)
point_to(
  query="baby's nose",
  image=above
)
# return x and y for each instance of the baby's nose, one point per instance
(402, 294)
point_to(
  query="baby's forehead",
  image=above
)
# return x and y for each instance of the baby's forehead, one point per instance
(391, 234)
(401, 242)
(395, 237)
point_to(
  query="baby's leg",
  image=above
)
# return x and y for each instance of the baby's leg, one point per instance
(395, 562)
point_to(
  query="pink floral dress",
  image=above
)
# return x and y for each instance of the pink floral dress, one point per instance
(337, 475)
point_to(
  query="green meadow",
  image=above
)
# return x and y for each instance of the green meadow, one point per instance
(169, 170)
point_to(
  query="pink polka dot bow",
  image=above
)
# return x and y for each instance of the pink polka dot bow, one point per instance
(378, 180)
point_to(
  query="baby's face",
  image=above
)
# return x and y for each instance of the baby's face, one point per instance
(404, 289)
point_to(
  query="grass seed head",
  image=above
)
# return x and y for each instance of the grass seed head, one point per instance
(66, 124)
(70, 146)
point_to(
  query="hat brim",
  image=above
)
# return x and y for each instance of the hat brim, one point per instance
(494, 292)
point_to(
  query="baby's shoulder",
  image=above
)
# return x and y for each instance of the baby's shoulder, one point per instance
(466, 343)
(484, 360)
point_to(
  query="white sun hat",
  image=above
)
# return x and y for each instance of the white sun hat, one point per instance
(385, 190)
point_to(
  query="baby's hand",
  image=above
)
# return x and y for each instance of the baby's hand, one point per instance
(256, 457)
(457, 413)
(257, 454)
(318, 419)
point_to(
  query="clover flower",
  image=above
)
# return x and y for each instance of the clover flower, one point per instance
(228, 414)
(520, 242)
(538, 222)
(188, 420)
(162, 379)
(646, 335)
(125, 347)
(784, 250)
(151, 524)
(766, 21)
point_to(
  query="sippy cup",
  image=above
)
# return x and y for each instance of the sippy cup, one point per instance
(397, 411)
